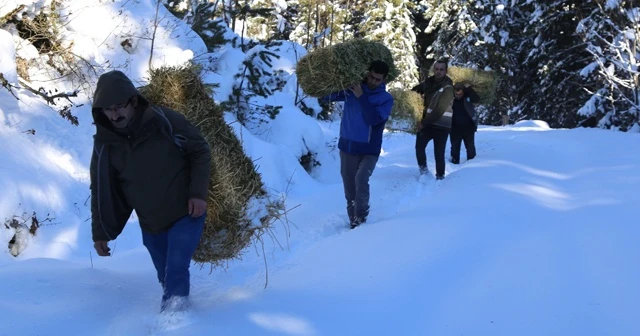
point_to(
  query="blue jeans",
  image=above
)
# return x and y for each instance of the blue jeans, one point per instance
(171, 253)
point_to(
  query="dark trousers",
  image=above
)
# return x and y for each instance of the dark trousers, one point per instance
(356, 171)
(171, 253)
(458, 135)
(439, 137)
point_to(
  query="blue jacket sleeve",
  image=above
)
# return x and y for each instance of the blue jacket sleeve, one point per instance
(375, 114)
(336, 96)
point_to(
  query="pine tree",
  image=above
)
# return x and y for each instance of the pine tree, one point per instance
(320, 23)
(554, 62)
(272, 19)
(286, 19)
(390, 23)
(262, 25)
(612, 36)
(497, 35)
(537, 54)
(439, 25)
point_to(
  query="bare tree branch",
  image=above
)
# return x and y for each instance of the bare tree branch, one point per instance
(153, 36)
(5, 83)
(50, 99)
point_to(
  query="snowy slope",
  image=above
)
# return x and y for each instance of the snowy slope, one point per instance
(45, 166)
(535, 236)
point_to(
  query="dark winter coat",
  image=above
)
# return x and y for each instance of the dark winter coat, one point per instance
(436, 113)
(363, 119)
(142, 168)
(464, 113)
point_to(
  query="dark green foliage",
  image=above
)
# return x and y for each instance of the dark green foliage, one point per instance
(532, 47)
(209, 28)
(309, 161)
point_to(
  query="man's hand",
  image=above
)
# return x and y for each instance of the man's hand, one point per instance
(102, 248)
(357, 90)
(197, 207)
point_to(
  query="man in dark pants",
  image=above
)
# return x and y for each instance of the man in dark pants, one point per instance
(465, 122)
(437, 91)
(152, 160)
(367, 107)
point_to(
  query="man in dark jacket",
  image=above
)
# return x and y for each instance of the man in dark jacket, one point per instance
(437, 91)
(367, 107)
(465, 122)
(152, 160)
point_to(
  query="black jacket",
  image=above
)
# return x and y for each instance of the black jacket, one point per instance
(143, 170)
(464, 113)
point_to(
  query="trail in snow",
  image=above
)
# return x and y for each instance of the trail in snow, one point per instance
(532, 237)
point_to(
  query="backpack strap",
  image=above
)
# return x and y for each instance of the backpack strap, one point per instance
(178, 139)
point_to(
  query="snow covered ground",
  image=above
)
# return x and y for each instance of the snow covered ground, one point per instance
(536, 236)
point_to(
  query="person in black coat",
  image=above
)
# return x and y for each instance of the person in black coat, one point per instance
(465, 122)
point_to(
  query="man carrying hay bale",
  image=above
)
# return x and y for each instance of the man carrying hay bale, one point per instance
(367, 107)
(152, 160)
(437, 91)
(465, 122)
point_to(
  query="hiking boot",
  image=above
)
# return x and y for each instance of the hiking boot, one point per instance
(424, 170)
(454, 161)
(357, 221)
(440, 177)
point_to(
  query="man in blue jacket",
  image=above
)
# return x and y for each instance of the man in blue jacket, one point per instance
(367, 107)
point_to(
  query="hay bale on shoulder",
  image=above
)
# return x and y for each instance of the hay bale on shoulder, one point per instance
(337, 67)
(407, 106)
(483, 82)
(238, 208)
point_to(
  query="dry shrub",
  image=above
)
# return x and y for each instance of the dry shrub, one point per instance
(22, 67)
(43, 26)
(340, 66)
(407, 105)
(238, 207)
(483, 82)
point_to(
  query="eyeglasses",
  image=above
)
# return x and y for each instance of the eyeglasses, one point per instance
(375, 78)
(117, 107)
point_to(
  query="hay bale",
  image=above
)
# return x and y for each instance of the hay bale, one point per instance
(407, 106)
(236, 193)
(483, 82)
(337, 67)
